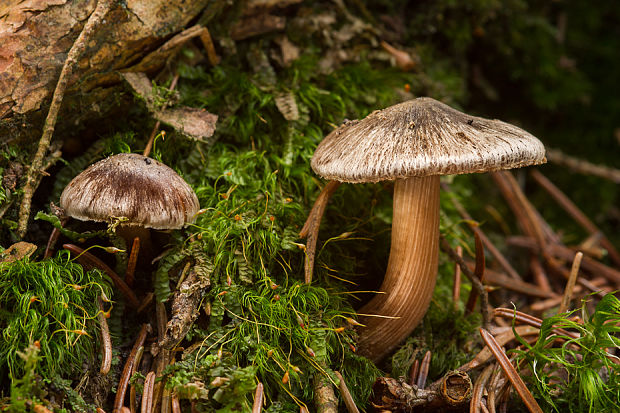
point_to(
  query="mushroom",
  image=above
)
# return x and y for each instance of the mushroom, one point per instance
(413, 143)
(143, 192)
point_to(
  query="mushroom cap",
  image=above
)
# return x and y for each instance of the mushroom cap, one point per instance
(143, 190)
(422, 137)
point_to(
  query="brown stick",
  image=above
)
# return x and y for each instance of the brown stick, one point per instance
(570, 284)
(346, 395)
(324, 397)
(133, 404)
(576, 213)
(176, 404)
(529, 320)
(126, 375)
(502, 280)
(103, 6)
(207, 43)
(539, 274)
(147, 394)
(478, 272)
(106, 341)
(88, 260)
(257, 407)
(413, 374)
(584, 167)
(510, 372)
(479, 386)
(456, 285)
(312, 225)
(132, 261)
(423, 375)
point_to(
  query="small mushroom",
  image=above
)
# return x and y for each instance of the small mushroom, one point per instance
(141, 191)
(413, 143)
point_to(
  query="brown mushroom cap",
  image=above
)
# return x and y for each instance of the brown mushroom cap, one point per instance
(143, 190)
(422, 137)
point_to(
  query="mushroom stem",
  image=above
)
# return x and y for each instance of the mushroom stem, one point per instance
(412, 268)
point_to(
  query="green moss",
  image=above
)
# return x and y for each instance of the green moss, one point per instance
(51, 303)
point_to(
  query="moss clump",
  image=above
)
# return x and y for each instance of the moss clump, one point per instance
(51, 303)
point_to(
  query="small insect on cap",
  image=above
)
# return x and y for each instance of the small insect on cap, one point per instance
(422, 137)
(142, 190)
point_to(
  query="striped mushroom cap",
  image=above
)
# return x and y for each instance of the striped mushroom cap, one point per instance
(143, 190)
(422, 137)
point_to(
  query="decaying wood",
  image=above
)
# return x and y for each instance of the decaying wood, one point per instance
(452, 391)
(324, 397)
(35, 30)
(185, 307)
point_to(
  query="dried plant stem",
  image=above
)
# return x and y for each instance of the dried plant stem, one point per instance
(576, 213)
(423, 374)
(106, 341)
(207, 43)
(147, 394)
(484, 297)
(584, 167)
(478, 272)
(346, 395)
(133, 260)
(479, 386)
(312, 225)
(88, 260)
(529, 320)
(133, 405)
(539, 274)
(456, 286)
(103, 6)
(510, 372)
(570, 284)
(413, 374)
(176, 404)
(504, 281)
(259, 394)
(128, 368)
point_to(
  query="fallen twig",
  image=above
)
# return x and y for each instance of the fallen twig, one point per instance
(478, 272)
(452, 390)
(456, 285)
(127, 369)
(479, 386)
(132, 261)
(311, 227)
(147, 394)
(581, 166)
(257, 407)
(346, 395)
(103, 6)
(570, 284)
(423, 374)
(510, 372)
(106, 342)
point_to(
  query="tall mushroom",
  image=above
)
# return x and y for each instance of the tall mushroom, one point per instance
(144, 192)
(414, 143)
